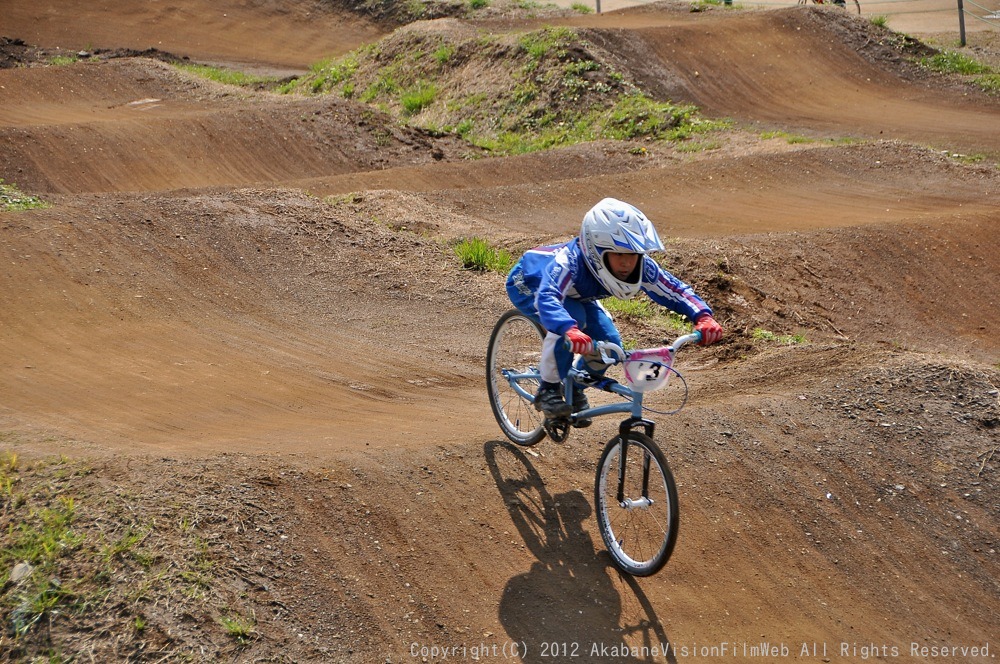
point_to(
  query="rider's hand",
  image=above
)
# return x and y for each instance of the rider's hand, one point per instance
(710, 330)
(578, 341)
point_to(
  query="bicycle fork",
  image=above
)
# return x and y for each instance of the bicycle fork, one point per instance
(624, 428)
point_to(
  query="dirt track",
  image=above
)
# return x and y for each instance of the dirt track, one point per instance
(304, 374)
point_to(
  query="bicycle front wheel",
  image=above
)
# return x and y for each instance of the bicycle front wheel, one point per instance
(636, 504)
(515, 348)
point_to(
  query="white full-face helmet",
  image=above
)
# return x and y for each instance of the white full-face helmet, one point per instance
(612, 226)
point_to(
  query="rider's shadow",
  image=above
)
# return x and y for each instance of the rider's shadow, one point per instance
(569, 605)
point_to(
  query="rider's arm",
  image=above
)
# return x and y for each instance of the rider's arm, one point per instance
(667, 290)
(556, 281)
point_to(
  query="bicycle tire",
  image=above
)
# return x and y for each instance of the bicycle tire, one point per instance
(515, 343)
(639, 538)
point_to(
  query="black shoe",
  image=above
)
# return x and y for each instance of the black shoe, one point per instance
(550, 401)
(580, 403)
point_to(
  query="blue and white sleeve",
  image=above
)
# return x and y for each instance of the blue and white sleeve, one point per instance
(667, 290)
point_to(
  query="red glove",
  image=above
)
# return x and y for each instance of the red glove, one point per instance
(710, 330)
(578, 341)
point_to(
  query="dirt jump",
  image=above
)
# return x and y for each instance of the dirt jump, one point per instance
(242, 366)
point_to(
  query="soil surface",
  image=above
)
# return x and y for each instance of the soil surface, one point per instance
(239, 348)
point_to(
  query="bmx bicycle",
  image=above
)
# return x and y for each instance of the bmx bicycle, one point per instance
(635, 496)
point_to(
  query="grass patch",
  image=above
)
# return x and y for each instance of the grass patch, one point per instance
(880, 21)
(760, 334)
(444, 53)
(792, 139)
(989, 82)
(632, 117)
(638, 116)
(324, 76)
(76, 552)
(41, 534)
(238, 627)
(226, 76)
(13, 199)
(548, 41)
(975, 158)
(645, 310)
(418, 97)
(384, 85)
(62, 60)
(477, 254)
(533, 5)
(952, 62)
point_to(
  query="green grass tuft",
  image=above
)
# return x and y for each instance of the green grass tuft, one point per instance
(61, 60)
(37, 543)
(238, 627)
(13, 199)
(760, 334)
(477, 254)
(418, 97)
(644, 309)
(989, 82)
(792, 139)
(226, 76)
(952, 62)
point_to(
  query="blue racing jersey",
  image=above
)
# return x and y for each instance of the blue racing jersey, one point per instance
(556, 272)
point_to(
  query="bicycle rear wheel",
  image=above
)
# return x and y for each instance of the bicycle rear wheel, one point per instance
(515, 346)
(638, 526)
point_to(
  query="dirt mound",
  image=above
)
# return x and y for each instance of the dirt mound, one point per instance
(451, 76)
(138, 124)
(274, 32)
(741, 68)
(15, 53)
(250, 423)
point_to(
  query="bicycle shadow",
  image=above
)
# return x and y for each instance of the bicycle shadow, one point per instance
(572, 604)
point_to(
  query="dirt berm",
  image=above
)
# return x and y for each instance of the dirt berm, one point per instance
(242, 406)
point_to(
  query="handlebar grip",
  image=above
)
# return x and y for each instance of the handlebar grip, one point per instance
(693, 338)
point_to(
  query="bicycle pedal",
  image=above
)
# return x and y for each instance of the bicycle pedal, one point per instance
(557, 429)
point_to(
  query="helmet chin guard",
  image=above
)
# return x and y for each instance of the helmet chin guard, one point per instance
(612, 226)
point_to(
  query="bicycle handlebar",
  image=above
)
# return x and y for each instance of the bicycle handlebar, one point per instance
(680, 342)
(618, 354)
